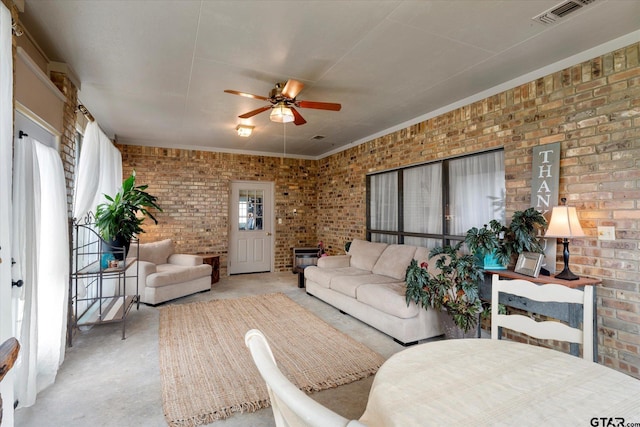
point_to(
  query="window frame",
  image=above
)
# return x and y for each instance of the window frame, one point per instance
(445, 237)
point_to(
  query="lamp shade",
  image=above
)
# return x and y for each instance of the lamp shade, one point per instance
(564, 223)
(281, 114)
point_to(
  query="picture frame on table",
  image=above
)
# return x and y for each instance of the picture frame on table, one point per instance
(529, 264)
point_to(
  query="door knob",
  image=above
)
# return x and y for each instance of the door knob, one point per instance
(268, 234)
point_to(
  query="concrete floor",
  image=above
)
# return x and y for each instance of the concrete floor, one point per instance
(106, 381)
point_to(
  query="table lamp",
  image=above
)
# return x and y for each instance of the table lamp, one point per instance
(564, 224)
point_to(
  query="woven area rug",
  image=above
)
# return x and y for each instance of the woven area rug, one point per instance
(208, 373)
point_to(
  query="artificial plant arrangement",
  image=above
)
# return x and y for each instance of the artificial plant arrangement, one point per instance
(455, 289)
(503, 242)
(121, 217)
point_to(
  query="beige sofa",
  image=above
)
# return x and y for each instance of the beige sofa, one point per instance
(164, 275)
(369, 284)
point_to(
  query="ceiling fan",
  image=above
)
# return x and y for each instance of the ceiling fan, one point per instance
(283, 100)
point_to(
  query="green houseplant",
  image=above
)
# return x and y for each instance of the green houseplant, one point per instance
(454, 289)
(497, 241)
(121, 217)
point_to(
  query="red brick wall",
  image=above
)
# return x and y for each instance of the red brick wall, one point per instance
(193, 190)
(68, 137)
(592, 109)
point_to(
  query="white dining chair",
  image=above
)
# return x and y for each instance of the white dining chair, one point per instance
(291, 406)
(553, 330)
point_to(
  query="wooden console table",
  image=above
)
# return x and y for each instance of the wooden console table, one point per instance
(570, 313)
(214, 261)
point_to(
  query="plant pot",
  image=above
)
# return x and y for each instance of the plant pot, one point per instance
(452, 331)
(118, 246)
(489, 262)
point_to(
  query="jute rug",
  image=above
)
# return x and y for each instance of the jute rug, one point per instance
(208, 373)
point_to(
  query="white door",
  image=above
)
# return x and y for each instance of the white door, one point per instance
(251, 220)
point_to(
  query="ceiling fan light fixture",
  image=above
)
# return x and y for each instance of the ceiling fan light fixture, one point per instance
(281, 114)
(244, 130)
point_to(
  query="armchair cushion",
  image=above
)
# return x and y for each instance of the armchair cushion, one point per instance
(156, 252)
(170, 275)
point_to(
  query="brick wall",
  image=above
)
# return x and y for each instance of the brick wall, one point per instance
(68, 139)
(592, 109)
(193, 189)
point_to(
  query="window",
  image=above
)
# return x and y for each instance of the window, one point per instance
(250, 212)
(436, 203)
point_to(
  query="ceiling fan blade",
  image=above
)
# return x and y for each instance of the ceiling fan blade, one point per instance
(248, 95)
(297, 118)
(319, 105)
(254, 112)
(292, 88)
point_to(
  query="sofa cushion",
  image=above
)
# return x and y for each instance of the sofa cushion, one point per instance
(388, 298)
(156, 252)
(323, 276)
(348, 285)
(422, 255)
(169, 274)
(394, 261)
(365, 254)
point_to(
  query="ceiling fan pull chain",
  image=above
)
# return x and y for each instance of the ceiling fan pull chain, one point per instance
(284, 132)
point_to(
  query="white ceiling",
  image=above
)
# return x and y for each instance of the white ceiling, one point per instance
(153, 72)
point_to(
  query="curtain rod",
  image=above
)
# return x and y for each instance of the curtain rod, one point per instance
(85, 112)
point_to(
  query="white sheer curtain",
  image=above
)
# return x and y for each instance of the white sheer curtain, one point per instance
(6, 155)
(476, 191)
(384, 205)
(99, 171)
(423, 199)
(40, 249)
(422, 190)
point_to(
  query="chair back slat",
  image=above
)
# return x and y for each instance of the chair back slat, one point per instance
(552, 330)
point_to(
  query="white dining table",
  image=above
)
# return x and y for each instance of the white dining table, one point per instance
(485, 382)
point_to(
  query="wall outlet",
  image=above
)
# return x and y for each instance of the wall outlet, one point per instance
(606, 233)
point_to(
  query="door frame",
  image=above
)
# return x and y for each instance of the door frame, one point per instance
(234, 220)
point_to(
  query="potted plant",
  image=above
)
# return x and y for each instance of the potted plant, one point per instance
(453, 290)
(119, 219)
(495, 244)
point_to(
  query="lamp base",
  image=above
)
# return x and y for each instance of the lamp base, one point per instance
(566, 274)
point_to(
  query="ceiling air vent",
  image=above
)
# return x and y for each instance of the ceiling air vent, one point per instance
(561, 11)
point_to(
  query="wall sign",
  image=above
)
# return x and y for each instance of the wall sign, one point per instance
(545, 180)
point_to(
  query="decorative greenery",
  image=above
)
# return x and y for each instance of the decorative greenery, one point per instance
(523, 231)
(504, 242)
(455, 288)
(124, 213)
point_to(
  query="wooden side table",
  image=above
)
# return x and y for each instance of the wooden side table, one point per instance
(214, 261)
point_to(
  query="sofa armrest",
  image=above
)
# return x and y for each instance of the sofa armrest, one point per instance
(336, 261)
(186, 260)
(145, 269)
